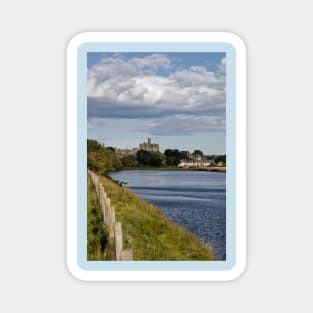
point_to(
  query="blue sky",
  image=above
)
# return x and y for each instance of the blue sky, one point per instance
(177, 99)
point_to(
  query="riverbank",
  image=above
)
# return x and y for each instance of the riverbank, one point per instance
(221, 169)
(148, 232)
(98, 245)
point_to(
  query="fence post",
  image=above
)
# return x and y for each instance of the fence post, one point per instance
(126, 255)
(114, 228)
(118, 240)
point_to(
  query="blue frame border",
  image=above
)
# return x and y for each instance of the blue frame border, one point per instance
(230, 153)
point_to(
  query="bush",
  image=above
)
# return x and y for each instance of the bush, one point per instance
(101, 159)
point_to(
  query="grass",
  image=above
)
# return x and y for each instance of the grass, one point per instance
(221, 169)
(98, 247)
(148, 233)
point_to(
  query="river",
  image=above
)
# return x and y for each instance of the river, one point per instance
(195, 200)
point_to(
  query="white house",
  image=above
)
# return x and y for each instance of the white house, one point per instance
(195, 162)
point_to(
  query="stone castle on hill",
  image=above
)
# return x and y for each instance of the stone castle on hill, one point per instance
(149, 146)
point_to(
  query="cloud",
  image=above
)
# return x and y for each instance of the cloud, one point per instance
(198, 76)
(180, 125)
(134, 88)
(95, 122)
(222, 67)
(154, 61)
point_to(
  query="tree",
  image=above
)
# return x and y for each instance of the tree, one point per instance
(129, 161)
(220, 158)
(172, 157)
(143, 157)
(101, 159)
(147, 158)
(172, 153)
(197, 152)
(111, 148)
(183, 155)
(172, 161)
(157, 159)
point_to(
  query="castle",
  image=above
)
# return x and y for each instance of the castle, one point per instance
(149, 146)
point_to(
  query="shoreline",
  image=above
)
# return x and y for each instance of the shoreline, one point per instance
(118, 181)
(200, 169)
(150, 234)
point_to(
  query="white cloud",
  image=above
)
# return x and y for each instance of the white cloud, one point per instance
(197, 76)
(153, 61)
(119, 87)
(222, 67)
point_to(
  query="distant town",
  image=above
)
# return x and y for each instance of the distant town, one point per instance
(148, 154)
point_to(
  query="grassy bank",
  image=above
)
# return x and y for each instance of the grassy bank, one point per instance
(98, 247)
(150, 235)
(221, 169)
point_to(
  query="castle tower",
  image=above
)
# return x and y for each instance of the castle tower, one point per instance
(149, 146)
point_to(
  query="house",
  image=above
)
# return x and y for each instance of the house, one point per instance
(196, 162)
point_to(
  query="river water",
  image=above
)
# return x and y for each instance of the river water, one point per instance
(195, 200)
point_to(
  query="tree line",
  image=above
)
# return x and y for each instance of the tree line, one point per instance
(170, 157)
(100, 158)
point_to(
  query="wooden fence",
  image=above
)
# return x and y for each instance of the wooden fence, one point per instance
(114, 228)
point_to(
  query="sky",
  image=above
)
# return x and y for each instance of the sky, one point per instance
(177, 99)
